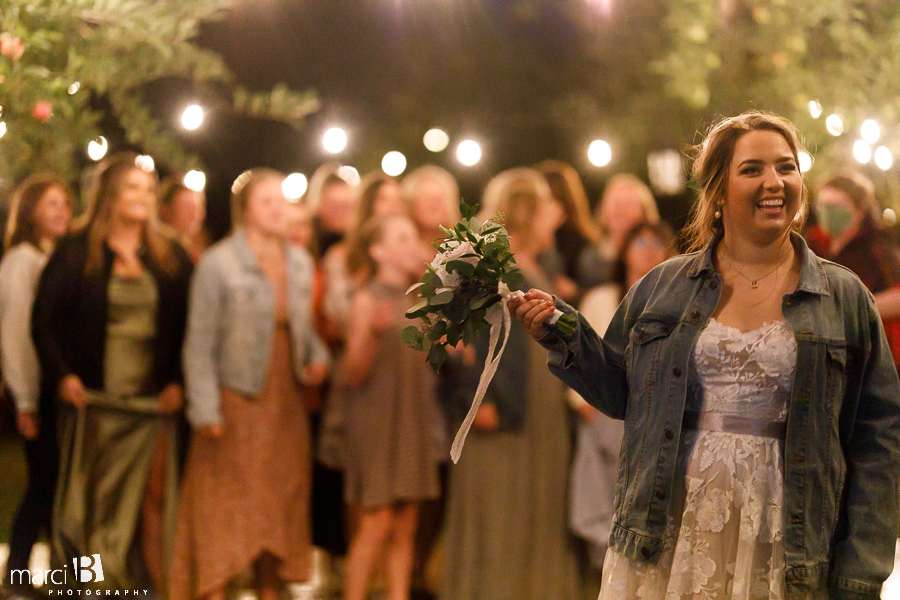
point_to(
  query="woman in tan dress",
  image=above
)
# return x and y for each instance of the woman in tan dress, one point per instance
(250, 345)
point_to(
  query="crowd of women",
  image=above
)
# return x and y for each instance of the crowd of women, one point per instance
(196, 415)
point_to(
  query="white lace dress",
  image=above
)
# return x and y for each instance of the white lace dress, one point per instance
(724, 533)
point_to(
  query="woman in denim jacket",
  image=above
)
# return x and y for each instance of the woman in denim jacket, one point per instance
(762, 408)
(250, 343)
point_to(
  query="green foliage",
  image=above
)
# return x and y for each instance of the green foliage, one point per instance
(461, 286)
(72, 54)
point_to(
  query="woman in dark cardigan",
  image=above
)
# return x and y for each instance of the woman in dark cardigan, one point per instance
(108, 324)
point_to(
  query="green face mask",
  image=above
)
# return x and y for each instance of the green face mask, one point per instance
(833, 218)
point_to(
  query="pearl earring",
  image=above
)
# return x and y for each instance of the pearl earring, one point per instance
(718, 214)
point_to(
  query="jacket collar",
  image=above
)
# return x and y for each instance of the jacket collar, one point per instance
(245, 255)
(248, 260)
(812, 273)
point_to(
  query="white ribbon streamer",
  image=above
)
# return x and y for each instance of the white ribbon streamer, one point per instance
(498, 316)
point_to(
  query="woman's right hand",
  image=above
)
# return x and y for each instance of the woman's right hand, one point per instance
(211, 430)
(71, 390)
(533, 311)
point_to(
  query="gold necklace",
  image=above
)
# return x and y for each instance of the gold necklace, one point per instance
(754, 283)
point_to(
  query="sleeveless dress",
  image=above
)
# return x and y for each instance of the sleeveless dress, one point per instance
(395, 434)
(724, 537)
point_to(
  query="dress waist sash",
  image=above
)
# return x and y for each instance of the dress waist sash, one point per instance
(711, 421)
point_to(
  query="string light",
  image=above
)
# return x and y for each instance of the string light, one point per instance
(436, 140)
(334, 140)
(393, 163)
(195, 180)
(884, 159)
(294, 186)
(805, 160)
(98, 148)
(834, 124)
(468, 153)
(870, 131)
(192, 117)
(815, 109)
(600, 153)
(862, 152)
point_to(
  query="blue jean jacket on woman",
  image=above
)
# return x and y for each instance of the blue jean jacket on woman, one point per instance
(231, 325)
(842, 450)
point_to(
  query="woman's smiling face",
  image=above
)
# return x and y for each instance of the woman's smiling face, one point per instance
(764, 189)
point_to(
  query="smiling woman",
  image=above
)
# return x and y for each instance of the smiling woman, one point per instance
(743, 371)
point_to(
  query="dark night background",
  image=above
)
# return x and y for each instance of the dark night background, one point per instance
(522, 79)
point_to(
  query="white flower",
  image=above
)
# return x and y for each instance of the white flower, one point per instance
(458, 252)
(775, 356)
(449, 280)
(714, 510)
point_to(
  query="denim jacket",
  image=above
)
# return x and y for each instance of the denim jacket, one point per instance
(231, 325)
(842, 449)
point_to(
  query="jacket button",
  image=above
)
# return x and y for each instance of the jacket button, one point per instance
(660, 494)
(695, 315)
(669, 435)
(676, 372)
(645, 551)
(713, 284)
(797, 458)
(796, 519)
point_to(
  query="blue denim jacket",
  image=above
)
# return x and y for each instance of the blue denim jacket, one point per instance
(231, 324)
(842, 450)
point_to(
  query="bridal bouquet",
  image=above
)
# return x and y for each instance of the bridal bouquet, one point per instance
(466, 289)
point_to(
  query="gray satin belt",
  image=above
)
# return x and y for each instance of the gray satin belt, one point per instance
(711, 421)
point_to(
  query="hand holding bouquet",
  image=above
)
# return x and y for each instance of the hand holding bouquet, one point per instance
(467, 288)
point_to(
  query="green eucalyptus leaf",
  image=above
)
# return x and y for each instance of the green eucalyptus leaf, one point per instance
(437, 331)
(415, 286)
(514, 280)
(436, 356)
(444, 297)
(462, 267)
(419, 310)
(411, 336)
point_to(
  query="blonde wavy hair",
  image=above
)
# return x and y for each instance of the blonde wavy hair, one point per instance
(712, 163)
(104, 193)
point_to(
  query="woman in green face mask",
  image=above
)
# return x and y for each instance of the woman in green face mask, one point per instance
(847, 212)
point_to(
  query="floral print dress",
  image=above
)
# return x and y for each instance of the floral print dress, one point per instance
(724, 534)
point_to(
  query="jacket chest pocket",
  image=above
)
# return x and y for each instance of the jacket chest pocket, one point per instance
(836, 366)
(644, 349)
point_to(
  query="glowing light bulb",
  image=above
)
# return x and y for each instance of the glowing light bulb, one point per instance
(98, 148)
(436, 140)
(393, 163)
(192, 117)
(834, 124)
(334, 140)
(862, 152)
(468, 153)
(600, 153)
(195, 180)
(294, 186)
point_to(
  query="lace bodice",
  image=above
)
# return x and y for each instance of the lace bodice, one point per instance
(745, 374)
(724, 535)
